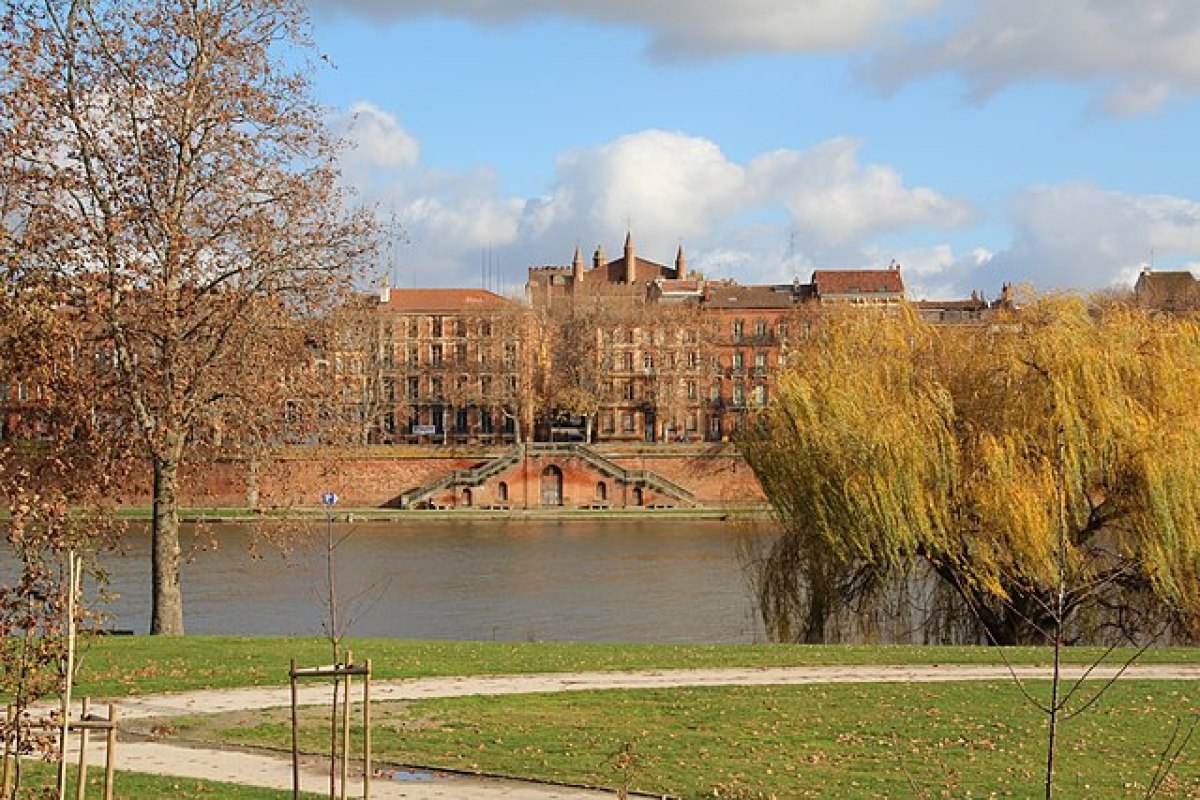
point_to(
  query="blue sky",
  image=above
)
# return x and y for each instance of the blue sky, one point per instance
(976, 142)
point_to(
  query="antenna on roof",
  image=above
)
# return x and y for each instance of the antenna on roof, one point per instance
(791, 255)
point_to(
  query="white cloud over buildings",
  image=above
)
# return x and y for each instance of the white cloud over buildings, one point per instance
(778, 215)
(1082, 235)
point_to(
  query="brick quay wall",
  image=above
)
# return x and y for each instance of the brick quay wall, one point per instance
(376, 476)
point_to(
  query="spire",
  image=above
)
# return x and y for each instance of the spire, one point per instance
(630, 259)
(577, 266)
(680, 264)
(599, 258)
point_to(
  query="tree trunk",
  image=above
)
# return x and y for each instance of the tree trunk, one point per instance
(166, 611)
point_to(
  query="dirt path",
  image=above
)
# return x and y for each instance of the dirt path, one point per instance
(269, 770)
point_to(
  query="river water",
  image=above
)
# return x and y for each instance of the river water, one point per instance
(595, 580)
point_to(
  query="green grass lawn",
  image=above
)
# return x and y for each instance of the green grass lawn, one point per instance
(833, 741)
(121, 665)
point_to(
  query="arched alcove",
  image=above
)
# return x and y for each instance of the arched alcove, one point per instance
(552, 483)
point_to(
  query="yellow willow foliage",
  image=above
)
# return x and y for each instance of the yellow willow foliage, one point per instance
(1057, 434)
(848, 447)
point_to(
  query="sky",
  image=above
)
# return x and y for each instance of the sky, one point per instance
(973, 142)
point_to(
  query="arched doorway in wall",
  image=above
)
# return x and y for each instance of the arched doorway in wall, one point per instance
(502, 492)
(467, 498)
(602, 491)
(638, 498)
(552, 483)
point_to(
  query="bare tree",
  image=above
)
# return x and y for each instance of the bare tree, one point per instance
(169, 150)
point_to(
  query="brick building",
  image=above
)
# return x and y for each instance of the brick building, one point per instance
(439, 366)
(681, 358)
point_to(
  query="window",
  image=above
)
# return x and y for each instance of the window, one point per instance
(739, 360)
(414, 328)
(647, 361)
(502, 492)
(694, 359)
(606, 423)
(782, 329)
(627, 390)
(414, 356)
(414, 387)
(485, 386)
(437, 327)
(739, 330)
(691, 390)
(714, 392)
(510, 353)
(760, 327)
(389, 390)
(691, 421)
(759, 394)
(461, 423)
(461, 327)
(739, 394)
(627, 422)
(627, 362)
(760, 361)
(435, 355)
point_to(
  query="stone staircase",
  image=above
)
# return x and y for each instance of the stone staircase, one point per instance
(647, 479)
(475, 476)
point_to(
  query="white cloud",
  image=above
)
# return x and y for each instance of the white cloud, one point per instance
(768, 220)
(376, 139)
(706, 28)
(833, 198)
(1079, 235)
(1137, 53)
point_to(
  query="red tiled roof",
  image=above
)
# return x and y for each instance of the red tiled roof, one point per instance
(858, 281)
(672, 285)
(402, 300)
(954, 305)
(733, 295)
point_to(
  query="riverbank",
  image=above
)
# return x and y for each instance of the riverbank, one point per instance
(370, 514)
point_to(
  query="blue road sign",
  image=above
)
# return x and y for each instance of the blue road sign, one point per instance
(329, 499)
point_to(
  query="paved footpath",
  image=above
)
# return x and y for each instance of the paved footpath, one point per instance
(257, 769)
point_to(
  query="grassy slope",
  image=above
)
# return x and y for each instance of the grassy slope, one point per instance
(122, 665)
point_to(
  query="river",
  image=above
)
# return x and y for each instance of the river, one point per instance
(590, 580)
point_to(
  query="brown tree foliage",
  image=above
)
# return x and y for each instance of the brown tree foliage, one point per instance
(169, 154)
(1057, 448)
(62, 461)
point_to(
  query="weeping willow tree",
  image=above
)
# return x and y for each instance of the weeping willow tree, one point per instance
(1043, 470)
